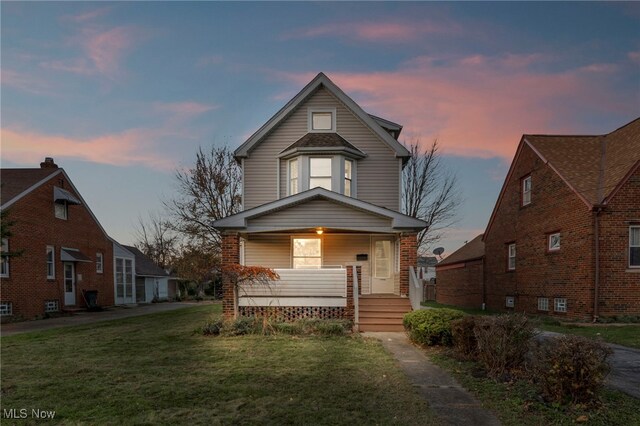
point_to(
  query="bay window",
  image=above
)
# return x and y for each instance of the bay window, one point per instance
(320, 173)
(348, 170)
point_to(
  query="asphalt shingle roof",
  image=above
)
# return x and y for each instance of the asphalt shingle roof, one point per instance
(15, 181)
(144, 265)
(321, 140)
(474, 249)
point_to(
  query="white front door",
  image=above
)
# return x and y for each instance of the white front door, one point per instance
(69, 284)
(382, 265)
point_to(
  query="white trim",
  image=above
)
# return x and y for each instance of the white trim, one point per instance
(6, 258)
(543, 304)
(509, 256)
(28, 190)
(298, 165)
(524, 201)
(311, 111)
(277, 178)
(549, 247)
(306, 237)
(331, 171)
(100, 270)
(560, 304)
(242, 183)
(52, 250)
(336, 302)
(6, 309)
(400, 184)
(630, 246)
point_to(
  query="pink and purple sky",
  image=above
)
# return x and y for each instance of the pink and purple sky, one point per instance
(121, 94)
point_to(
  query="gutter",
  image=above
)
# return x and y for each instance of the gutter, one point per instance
(596, 283)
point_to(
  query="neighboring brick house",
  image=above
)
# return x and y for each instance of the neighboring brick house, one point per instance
(564, 236)
(63, 248)
(322, 181)
(460, 277)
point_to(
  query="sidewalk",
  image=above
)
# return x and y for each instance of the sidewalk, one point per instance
(91, 317)
(449, 401)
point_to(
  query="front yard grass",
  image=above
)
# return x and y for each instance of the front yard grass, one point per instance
(155, 369)
(625, 335)
(516, 403)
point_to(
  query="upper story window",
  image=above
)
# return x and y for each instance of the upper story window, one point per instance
(322, 120)
(4, 258)
(554, 242)
(99, 263)
(294, 170)
(51, 264)
(526, 190)
(320, 173)
(348, 177)
(634, 246)
(61, 210)
(511, 263)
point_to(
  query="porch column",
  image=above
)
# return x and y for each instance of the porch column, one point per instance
(230, 255)
(408, 257)
(350, 309)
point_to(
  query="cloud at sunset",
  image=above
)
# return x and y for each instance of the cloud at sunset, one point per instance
(477, 105)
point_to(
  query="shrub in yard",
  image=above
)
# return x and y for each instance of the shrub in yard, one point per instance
(431, 326)
(570, 369)
(464, 337)
(503, 343)
(241, 326)
(213, 327)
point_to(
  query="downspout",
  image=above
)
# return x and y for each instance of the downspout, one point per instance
(596, 284)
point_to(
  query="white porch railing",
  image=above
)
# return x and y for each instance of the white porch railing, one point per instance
(298, 287)
(415, 289)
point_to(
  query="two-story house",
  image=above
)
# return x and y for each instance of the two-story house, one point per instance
(564, 236)
(322, 186)
(63, 250)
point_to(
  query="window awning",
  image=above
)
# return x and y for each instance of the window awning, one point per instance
(60, 194)
(69, 255)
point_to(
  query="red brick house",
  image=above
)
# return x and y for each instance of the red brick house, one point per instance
(460, 277)
(564, 236)
(63, 248)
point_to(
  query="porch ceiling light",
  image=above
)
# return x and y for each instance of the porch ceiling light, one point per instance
(319, 231)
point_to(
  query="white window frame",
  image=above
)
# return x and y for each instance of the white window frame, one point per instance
(312, 111)
(330, 177)
(65, 206)
(6, 309)
(306, 237)
(348, 181)
(510, 256)
(5, 268)
(526, 192)
(631, 228)
(543, 304)
(99, 263)
(51, 251)
(549, 239)
(298, 162)
(510, 302)
(560, 304)
(51, 306)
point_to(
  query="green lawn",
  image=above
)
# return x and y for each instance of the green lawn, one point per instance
(517, 404)
(626, 335)
(155, 369)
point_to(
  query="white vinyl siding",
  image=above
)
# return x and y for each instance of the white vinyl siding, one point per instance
(4, 259)
(634, 246)
(51, 263)
(378, 177)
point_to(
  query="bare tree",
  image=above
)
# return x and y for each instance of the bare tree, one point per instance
(157, 239)
(208, 191)
(430, 192)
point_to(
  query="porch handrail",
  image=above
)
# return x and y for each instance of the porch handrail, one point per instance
(415, 289)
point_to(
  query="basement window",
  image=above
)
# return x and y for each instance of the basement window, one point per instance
(543, 303)
(51, 306)
(560, 304)
(6, 309)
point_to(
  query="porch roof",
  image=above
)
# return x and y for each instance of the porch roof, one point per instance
(366, 217)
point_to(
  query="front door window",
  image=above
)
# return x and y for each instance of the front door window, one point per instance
(69, 284)
(382, 265)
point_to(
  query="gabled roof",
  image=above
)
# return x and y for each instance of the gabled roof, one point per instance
(594, 167)
(239, 220)
(15, 183)
(328, 142)
(321, 80)
(145, 267)
(473, 250)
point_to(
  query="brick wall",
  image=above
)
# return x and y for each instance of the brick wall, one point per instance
(408, 257)
(460, 284)
(36, 227)
(619, 285)
(567, 273)
(230, 255)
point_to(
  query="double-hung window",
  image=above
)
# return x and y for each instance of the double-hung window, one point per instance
(634, 246)
(307, 253)
(99, 263)
(4, 258)
(526, 190)
(511, 262)
(320, 173)
(61, 210)
(348, 177)
(294, 173)
(51, 263)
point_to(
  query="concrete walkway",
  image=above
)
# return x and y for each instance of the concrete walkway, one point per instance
(91, 317)
(449, 401)
(625, 367)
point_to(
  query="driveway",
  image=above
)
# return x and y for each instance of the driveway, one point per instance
(625, 368)
(81, 318)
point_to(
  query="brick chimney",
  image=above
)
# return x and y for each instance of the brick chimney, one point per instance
(48, 164)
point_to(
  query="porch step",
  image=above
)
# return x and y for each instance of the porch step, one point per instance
(380, 327)
(382, 313)
(384, 301)
(378, 313)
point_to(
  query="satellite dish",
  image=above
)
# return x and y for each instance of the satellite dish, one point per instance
(438, 251)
